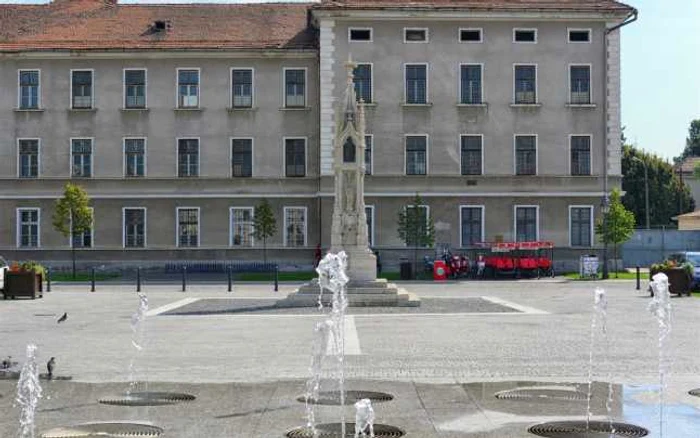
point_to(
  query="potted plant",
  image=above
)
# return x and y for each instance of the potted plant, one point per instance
(24, 280)
(680, 276)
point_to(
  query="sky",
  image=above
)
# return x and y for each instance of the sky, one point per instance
(660, 72)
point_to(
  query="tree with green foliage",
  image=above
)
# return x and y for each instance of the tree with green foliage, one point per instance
(416, 228)
(264, 224)
(692, 143)
(72, 215)
(617, 226)
(668, 196)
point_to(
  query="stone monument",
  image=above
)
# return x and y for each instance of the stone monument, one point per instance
(349, 229)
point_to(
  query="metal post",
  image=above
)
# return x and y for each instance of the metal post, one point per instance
(92, 280)
(138, 279)
(276, 278)
(229, 278)
(184, 278)
(646, 193)
(606, 210)
(638, 278)
(48, 279)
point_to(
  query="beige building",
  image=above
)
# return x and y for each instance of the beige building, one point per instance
(178, 120)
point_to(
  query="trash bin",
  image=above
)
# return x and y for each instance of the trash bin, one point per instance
(439, 270)
(406, 271)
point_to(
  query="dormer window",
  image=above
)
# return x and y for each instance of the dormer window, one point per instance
(159, 25)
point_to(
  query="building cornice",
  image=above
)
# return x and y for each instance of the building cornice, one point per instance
(160, 54)
(466, 15)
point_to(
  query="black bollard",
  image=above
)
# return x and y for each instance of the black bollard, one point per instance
(184, 278)
(48, 279)
(276, 278)
(138, 279)
(230, 280)
(638, 278)
(92, 280)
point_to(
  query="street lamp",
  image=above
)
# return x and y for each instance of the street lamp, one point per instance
(605, 208)
(646, 187)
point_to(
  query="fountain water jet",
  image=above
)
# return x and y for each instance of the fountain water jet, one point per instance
(364, 418)
(660, 307)
(28, 393)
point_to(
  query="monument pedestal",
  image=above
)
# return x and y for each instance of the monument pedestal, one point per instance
(372, 293)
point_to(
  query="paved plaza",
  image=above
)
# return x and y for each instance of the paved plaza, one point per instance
(443, 362)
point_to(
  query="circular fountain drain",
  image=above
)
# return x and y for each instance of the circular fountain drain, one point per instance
(695, 392)
(542, 394)
(148, 399)
(333, 430)
(95, 430)
(577, 429)
(333, 397)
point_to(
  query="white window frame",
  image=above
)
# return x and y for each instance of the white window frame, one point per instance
(284, 156)
(578, 29)
(177, 227)
(252, 156)
(306, 225)
(18, 227)
(252, 88)
(405, 154)
(371, 34)
(92, 89)
(92, 231)
(145, 88)
(145, 156)
(145, 227)
(177, 157)
(371, 231)
(427, 217)
(284, 87)
(92, 157)
(371, 154)
(199, 88)
(230, 226)
(19, 89)
(592, 223)
(459, 82)
(423, 29)
(590, 82)
(483, 222)
(537, 83)
(459, 143)
(524, 29)
(481, 35)
(371, 78)
(537, 153)
(427, 83)
(38, 159)
(515, 220)
(590, 152)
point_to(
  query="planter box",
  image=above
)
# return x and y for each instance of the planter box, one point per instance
(23, 284)
(679, 280)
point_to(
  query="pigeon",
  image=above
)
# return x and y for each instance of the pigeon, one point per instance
(63, 318)
(7, 363)
(50, 366)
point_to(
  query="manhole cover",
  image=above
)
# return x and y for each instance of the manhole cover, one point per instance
(695, 392)
(577, 429)
(147, 399)
(333, 397)
(101, 430)
(542, 394)
(333, 430)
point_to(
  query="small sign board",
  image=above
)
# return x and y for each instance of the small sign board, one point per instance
(589, 267)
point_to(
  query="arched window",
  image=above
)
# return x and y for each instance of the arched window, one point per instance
(349, 151)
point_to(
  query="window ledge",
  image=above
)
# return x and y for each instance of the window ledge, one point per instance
(29, 110)
(82, 110)
(295, 108)
(416, 105)
(236, 109)
(198, 108)
(525, 105)
(367, 104)
(581, 105)
(472, 105)
(134, 109)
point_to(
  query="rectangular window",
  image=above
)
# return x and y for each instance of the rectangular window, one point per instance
(187, 157)
(470, 35)
(415, 35)
(580, 84)
(81, 157)
(82, 89)
(525, 35)
(416, 154)
(241, 157)
(187, 227)
(295, 157)
(241, 226)
(470, 83)
(525, 84)
(188, 88)
(421, 226)
(295, 88)
(362, 77)
(29, 86)
(472, 225)
(84, 239)
(369, 212)
(134, 227)
(580, 155)
(242, 88)
(581, 223)
(579, 35)
(416, 83)
(134, 88)
(134, 157)
(525, 155)
(360, 34)
(28, 150)
(28, 227)
(471, 147)
(526, 229)
(368, 154)
(294, 226)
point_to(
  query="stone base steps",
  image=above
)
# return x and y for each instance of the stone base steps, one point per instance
(377, 293)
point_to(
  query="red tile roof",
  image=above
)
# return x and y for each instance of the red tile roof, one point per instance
(689, 164)
(507, 5)
(101, 24)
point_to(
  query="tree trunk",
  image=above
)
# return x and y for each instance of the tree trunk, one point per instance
(72, 251)
(415, 262)
(265, 250)
(615, 260)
